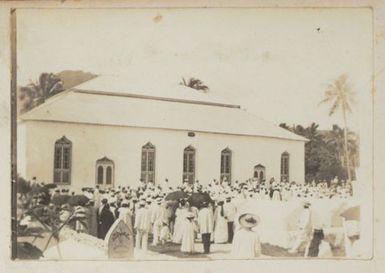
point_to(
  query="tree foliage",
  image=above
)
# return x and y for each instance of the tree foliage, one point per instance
(36, 92)
(324, 152)
(195, 83)
(48, 85)
(340, 96)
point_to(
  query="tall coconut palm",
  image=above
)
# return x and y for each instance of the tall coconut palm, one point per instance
(336, 139)
(195, 83)
(341, 97)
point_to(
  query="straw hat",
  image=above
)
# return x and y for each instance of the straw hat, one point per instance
(248, 220)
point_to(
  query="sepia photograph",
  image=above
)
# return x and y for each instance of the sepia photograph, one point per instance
(192, 134)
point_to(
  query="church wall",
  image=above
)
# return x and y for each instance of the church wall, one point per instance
(123, 146)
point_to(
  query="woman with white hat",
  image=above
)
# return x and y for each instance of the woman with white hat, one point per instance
(246, 242)
(188, 229)
(220, 224)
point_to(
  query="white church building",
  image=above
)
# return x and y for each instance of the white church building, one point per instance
(107, 132)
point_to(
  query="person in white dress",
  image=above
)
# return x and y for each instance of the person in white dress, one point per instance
(246, 243)
(318, 247)
(165, 235)
(188, 228)
(220, 224)
(180, 215)
(125, 213)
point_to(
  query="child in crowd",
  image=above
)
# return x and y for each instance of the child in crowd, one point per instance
(165, 235)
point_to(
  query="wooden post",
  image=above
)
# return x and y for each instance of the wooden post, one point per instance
(13, 135)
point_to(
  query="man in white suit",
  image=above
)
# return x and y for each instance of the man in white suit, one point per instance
(230, 211)
(206, 223)
(142, 226)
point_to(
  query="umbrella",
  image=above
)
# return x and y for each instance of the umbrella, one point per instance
(50, 186)
(176, 195)
(59, 200)
(196, 199)
(352, 213)
(78, 200)
(39, 189)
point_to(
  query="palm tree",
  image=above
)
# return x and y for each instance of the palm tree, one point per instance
(311, 132)
(37, 92)
(299, 130)
(336, 139)
(195, 83)
(340, 95)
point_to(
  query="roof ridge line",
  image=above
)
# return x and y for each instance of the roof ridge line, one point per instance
(117, 94)
(47, 102)
(272, 124)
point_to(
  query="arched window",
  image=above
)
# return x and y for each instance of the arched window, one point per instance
(105, 172)
(260, 172)
(189, 164)
(109, 175)
(285, 164)
(226, 165)
(62, 161)
(100, 175)
(148, 163)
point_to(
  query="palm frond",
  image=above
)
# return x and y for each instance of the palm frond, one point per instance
(334, 107)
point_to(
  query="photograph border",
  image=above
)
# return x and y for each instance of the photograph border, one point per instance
(42, 4)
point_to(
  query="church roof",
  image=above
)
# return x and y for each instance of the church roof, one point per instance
(90, 103)
(142, 87)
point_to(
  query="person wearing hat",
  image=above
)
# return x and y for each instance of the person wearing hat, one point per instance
(304, 228)
(156, 220)
(180, 215)
(125, 214)
(230, 211)
(246, 243)
(206, 225)
(220, 224)
(142, 226)
(106, 219)
(165, 235)
(189, 227)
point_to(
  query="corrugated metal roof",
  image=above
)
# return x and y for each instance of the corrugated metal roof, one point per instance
(115, 109)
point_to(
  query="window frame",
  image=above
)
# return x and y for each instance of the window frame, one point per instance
(189, 164)
(145, 173)
(285, 166)
(63, 147)
(105, 163)
(226, 164)
(258, 169)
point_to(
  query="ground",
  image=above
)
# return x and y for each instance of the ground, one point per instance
(171, 251)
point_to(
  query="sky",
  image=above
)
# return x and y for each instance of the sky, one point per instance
(275, 63)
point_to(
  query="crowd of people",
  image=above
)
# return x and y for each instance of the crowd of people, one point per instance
(158, 220)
